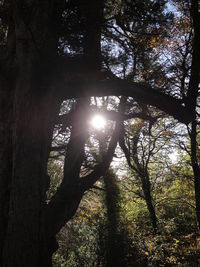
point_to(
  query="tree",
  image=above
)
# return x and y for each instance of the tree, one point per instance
(192, 95)
(185, 73)
(145, 145)
(36, 76)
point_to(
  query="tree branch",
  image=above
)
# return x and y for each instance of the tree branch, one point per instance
(76, 86)
(100, 169)
(65, 201)
(67, 119)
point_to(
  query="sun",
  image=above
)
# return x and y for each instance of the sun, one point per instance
(98, 122)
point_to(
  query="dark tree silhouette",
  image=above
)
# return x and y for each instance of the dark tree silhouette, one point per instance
(35, 77)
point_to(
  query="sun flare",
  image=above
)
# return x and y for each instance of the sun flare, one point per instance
(98, 122)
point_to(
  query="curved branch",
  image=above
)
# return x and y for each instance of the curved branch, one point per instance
(77, 85)
(67, 119)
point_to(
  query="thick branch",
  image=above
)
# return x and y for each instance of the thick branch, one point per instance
(100, 169)
(117, 87)
(64, 203)
(67, 119)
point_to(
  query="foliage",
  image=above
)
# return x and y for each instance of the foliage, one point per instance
(83, 240)
(159, 54)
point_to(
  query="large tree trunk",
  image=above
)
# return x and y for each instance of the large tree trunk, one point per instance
(32, 129)
(27, 140)
(193, 92)
(196, 168)
(5, 157)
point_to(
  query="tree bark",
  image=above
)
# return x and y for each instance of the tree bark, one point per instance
(195, 168)
(29, 181)
(33, 116)
(193, 92)
(5, 156)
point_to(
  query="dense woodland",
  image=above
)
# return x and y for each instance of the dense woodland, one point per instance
(116, 191)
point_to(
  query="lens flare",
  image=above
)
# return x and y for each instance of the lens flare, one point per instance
(98, 122)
